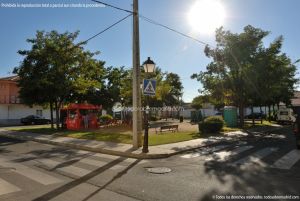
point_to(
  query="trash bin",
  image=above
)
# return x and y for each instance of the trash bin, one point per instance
(230, 116)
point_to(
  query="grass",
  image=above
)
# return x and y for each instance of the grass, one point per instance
(122, 134)
(226, 129)
(42, 129)
(167, 138)
(107, 137)
(118, 134)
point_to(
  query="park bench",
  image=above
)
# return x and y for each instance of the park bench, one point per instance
(172, 128)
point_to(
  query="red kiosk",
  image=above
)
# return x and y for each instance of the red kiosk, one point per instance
(73, 116)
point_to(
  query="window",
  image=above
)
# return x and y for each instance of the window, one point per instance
(72, 114)
(12, 99)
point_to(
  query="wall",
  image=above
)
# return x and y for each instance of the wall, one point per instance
(14, 112)
(186, 113)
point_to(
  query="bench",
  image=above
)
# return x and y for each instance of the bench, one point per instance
(172, 128)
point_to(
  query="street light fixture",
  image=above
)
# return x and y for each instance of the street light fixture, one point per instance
(149, 67)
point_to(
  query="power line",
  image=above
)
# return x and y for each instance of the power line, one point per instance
(171, 29)
(153, 22)
(115, 7)
(94, 36)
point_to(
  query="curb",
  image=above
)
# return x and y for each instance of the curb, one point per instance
(118, 153)
(106, 151)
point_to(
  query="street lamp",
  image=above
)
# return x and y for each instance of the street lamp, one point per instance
(149, 67)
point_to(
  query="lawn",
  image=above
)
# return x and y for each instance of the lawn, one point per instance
(122, 134)
(119, 134)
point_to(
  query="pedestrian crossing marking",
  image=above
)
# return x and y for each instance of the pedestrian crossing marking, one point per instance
(256, 157)
(30, 173)
(204, 151)
(224, 155)
(288, 160)
(6, 187)
(217, 154)
(98, 163)
(51, 164)
(77, 192)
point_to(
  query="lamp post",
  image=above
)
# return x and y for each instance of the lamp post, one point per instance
(149, 67)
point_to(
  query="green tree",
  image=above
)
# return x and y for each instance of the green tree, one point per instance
(245, 73)
(226, 75)
(55, 69)
(198, 101)
(173, 80)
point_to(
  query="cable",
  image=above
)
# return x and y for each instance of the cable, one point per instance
(115, 7)
(106, 29)
(153, 22)
(171, 29)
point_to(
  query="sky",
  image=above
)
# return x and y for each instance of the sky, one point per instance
(170, 51)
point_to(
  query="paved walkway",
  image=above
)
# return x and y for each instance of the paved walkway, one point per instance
(126, 150)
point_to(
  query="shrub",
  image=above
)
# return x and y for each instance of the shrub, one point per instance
(105, 118)
(212, 124)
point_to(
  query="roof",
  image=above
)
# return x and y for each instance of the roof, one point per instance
(83, 106)
(10, 78)
(295, 102)
(297, 94)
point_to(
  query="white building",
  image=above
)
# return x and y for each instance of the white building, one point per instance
(11, 109)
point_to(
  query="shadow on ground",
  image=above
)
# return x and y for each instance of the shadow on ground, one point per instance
(253, 180)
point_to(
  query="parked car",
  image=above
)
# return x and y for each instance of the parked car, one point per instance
(34, 119)
(256, 115)
(297, 131)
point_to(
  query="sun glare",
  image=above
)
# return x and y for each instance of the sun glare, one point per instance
(206, 15)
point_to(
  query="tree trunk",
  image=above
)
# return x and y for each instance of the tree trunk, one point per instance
(57, 115)
(269, 107)
(273, 114)
(253, 120)
(51, 114)
(261, 119)
(241, 112)
(266, 111)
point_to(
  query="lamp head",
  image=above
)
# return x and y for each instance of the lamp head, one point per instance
(149, 66)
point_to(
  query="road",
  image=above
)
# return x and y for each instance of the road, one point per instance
(263, 165)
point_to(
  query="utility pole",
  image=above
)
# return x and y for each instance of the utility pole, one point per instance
(136, 92)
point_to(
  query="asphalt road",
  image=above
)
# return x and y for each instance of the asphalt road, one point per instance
(263, 165)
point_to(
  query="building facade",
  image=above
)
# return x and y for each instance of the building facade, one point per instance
(11, 108)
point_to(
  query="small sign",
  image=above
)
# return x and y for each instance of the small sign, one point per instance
(149, 87)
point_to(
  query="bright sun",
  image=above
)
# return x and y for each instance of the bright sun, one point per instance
(206, 15)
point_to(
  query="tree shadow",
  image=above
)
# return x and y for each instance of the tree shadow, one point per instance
(52, 153)
(60, 190)
(6, 142)
(252, 179)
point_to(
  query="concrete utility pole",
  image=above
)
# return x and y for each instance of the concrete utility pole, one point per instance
(136, 92)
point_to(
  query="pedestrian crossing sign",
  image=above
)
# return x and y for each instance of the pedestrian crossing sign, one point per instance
(149, 87)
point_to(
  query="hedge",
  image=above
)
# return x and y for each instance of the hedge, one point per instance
(212, 124)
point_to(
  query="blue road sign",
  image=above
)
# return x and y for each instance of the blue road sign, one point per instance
(149, 87)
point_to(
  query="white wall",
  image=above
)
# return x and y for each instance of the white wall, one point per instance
(19, 111)
(205, 112)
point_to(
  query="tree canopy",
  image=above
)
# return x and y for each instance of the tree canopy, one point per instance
(56, 70)
(245, 73)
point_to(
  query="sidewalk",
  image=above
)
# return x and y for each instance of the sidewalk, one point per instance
(125, 150)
